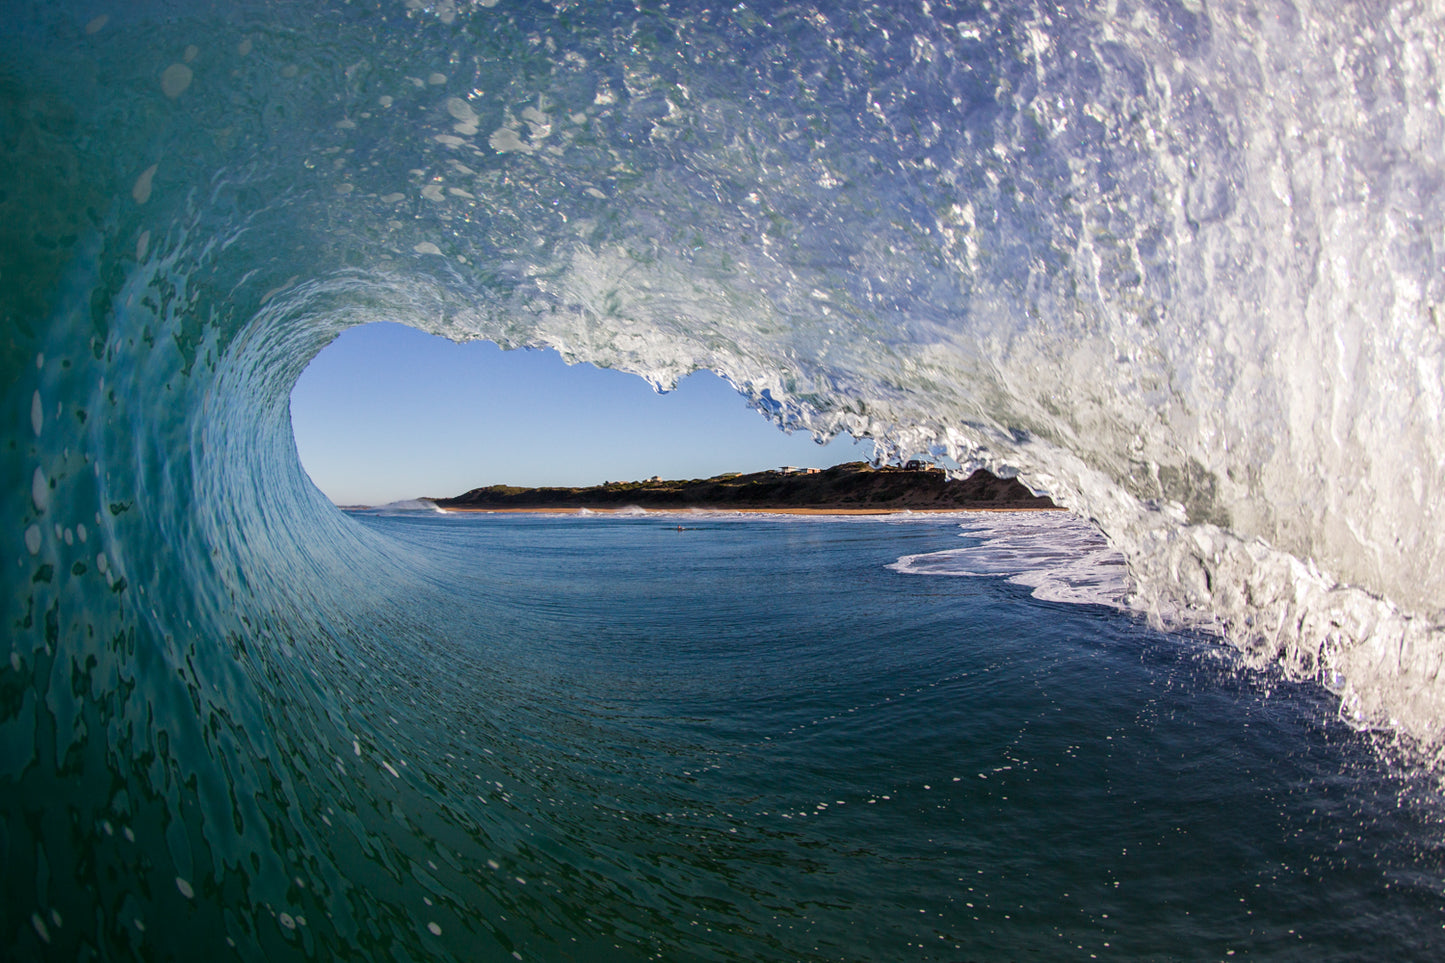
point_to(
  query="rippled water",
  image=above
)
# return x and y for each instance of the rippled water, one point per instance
(1178, 264)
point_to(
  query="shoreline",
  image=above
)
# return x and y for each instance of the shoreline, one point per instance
(634, 510)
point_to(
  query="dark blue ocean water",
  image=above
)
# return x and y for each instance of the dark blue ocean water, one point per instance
(752, 739)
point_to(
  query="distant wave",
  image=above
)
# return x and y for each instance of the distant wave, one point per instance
(409, 506)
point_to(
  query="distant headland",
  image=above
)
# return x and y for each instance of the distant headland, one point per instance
(849, 488)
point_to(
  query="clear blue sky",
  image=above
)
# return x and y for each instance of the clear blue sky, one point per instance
(386, 413)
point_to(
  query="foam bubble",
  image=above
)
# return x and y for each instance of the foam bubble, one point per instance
(175, 79)
(461, 111)
(505, 140)
(141, 189)
(37, 413)
(40, 490)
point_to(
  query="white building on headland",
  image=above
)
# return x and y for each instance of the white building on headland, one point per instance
(790, 470)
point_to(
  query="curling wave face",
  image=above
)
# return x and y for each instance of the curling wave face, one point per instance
(1178, 265)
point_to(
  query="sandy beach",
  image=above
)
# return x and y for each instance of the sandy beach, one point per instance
(739, 511)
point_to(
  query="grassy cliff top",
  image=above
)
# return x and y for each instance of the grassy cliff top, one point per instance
(854, 485)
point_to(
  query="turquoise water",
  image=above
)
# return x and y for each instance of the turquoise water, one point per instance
(1177, 264)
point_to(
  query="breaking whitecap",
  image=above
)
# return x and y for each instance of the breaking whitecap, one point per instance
(1061, 557)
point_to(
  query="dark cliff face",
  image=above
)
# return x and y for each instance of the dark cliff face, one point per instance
(853, 486)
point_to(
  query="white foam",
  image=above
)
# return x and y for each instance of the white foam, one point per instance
(1061, 557)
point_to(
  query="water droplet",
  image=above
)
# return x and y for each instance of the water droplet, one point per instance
(39, 490)
(175, 79)
(141, 191)
(461, 110)
(37, 413)
(185, 888)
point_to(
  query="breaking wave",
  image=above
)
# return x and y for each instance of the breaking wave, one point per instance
(1179, 265)
(1059, 559)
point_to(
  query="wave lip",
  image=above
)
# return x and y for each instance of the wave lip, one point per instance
(1060, 557)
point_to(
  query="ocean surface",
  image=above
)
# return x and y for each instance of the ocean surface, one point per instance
(1180, 264)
